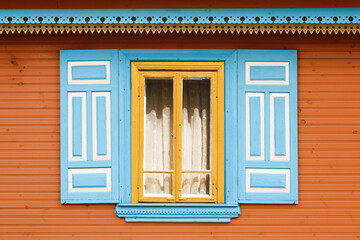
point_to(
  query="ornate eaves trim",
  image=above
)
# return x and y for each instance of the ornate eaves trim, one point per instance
(277, 20)
(181, 28)
(183, 16)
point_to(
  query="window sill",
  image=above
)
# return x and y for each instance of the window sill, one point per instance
(177, 212)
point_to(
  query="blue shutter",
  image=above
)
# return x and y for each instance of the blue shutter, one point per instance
(89, 126)
(268, 126)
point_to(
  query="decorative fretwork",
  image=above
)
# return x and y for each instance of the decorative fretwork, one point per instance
(182, 28)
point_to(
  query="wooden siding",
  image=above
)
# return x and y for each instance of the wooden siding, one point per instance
(329, 143)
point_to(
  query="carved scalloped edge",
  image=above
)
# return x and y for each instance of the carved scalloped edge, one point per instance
(174, 212)
(181, 28)
(143, 212)
(182, 16)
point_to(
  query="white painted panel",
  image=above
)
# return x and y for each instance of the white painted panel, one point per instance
(107, 171)
(266, 82)
(108, 126)
(262, 155)
(287, 128)
(249, 171)
(89, 81)
(83, 125)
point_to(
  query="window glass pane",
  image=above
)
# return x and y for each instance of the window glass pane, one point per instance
(196, 124)
(158, 140)
(159, 184)
(195, 184)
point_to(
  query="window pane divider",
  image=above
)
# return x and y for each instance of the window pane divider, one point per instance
(196, 171)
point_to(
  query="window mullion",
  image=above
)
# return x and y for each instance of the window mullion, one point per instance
(178, 134)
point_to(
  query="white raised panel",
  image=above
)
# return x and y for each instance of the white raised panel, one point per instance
(105, 80)
(266, 82)
(250, 189)
(89, 171)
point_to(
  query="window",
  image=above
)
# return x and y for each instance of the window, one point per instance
(251, 138)
(177, 132)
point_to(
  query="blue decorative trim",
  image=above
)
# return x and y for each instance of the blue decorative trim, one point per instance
(182, 16)
(234, 138)
(268, 197)
(78, 197)
(177, 212)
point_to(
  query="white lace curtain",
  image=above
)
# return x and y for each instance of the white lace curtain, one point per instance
(196, 136)
(158, 142)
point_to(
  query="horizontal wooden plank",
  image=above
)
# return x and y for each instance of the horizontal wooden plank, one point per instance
(180, 229)
(30, 96)
(330, 96)
(38, 129)
(328, 112)
(240, 221)
(325, 54)
(30, 138)
(26, 163)
(44, 104)
(29, 179)
(30, 146)
(16, 63)
(25, 88)
(33, 121)
(333, 62)
(175, 236)
(334, 121)
(30, 171)
(329, 104)
(329, 130)
(329, 88)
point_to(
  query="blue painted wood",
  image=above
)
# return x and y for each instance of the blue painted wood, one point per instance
(183, 16)
(269, 56)
(234, 134)
(89, 180)
(267, 73)
(279, 126)
(255, 129)
(101, 125)
(77, 126)
(142, 212)
(113, 163)
(267, 180)
(177, 212)
(94, 72)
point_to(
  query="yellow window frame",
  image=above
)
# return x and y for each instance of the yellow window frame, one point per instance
(177, 71)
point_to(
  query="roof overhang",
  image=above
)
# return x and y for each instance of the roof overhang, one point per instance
(236, 20)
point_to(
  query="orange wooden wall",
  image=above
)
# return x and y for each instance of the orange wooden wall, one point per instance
(329, 143)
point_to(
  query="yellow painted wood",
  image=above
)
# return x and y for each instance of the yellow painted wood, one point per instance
(135, 133)
(143, 75)
(178, 71)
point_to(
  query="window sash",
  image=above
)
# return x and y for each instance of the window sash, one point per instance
(217, 132)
